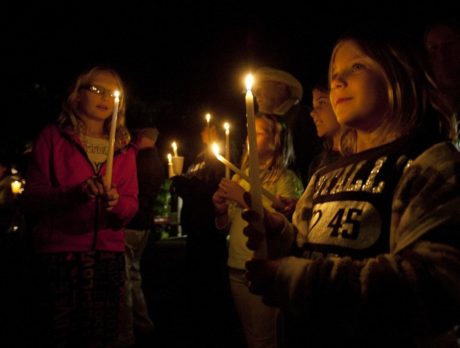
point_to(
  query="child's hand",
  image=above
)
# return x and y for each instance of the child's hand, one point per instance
(110, 195)
(92, 187)
(285, 205)
(233, 191)
(220, 202)
(273, 222)
(111, 198)
(97, 186)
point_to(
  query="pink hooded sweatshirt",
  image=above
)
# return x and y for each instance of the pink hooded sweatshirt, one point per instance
(66, 220)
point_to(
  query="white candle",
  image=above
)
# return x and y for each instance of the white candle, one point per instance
(227, 147)
(174, 147)
(208, 130)
(208, 119)
(16, 187)
(170, 166)
(254, 175)
(113, 128)
(229, 165)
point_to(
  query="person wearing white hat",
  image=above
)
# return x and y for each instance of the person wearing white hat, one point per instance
(278, 92)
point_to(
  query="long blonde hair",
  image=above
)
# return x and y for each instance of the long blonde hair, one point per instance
(414, 100)
(69, 116)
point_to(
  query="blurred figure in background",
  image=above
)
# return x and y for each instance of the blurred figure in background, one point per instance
(442, 42)
(326, 125)
(279, 93)
(136, 321)
(206, 247)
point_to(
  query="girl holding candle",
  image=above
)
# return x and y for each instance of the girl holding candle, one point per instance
(377, 229)
(80, 219)
(273, 151)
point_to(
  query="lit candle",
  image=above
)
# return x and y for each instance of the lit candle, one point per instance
(113, 128)
(254, 175)
(16, 187)
(227, 147)
(174, 146)
(229, 165)
(208, 119)
(170, 166)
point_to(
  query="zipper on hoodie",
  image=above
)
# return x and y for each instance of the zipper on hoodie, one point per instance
(97, 203)
(98, 199)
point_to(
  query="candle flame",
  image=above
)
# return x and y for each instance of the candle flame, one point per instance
(169, 156)
(208, 117)
(227, 127)
(215, 148)
(249, 81)
(174, 146)
(117, 95)
(16, 186)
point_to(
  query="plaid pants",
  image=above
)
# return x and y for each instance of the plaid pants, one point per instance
(79, 298)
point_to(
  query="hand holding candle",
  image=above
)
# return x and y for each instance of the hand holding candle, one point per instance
(113, 128)
(229, 165)
(254, 174)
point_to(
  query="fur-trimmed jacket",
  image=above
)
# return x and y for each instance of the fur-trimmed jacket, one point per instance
(376, 239)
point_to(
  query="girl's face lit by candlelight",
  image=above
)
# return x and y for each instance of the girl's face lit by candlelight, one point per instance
(358, 88)
(264, 138)
(270, 95)
(323, 115)
(96, 99)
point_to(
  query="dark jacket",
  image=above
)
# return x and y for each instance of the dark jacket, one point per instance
(150, 176)
(196, 187)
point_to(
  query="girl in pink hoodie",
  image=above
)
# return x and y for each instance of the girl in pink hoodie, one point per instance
(79, 218)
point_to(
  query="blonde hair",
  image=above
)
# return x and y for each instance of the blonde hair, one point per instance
(282, 155)
(414, 101)
(69, 116)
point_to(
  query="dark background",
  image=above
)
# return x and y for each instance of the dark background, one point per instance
(179, 59)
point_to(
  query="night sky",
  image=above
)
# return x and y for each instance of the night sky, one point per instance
(179, 60)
